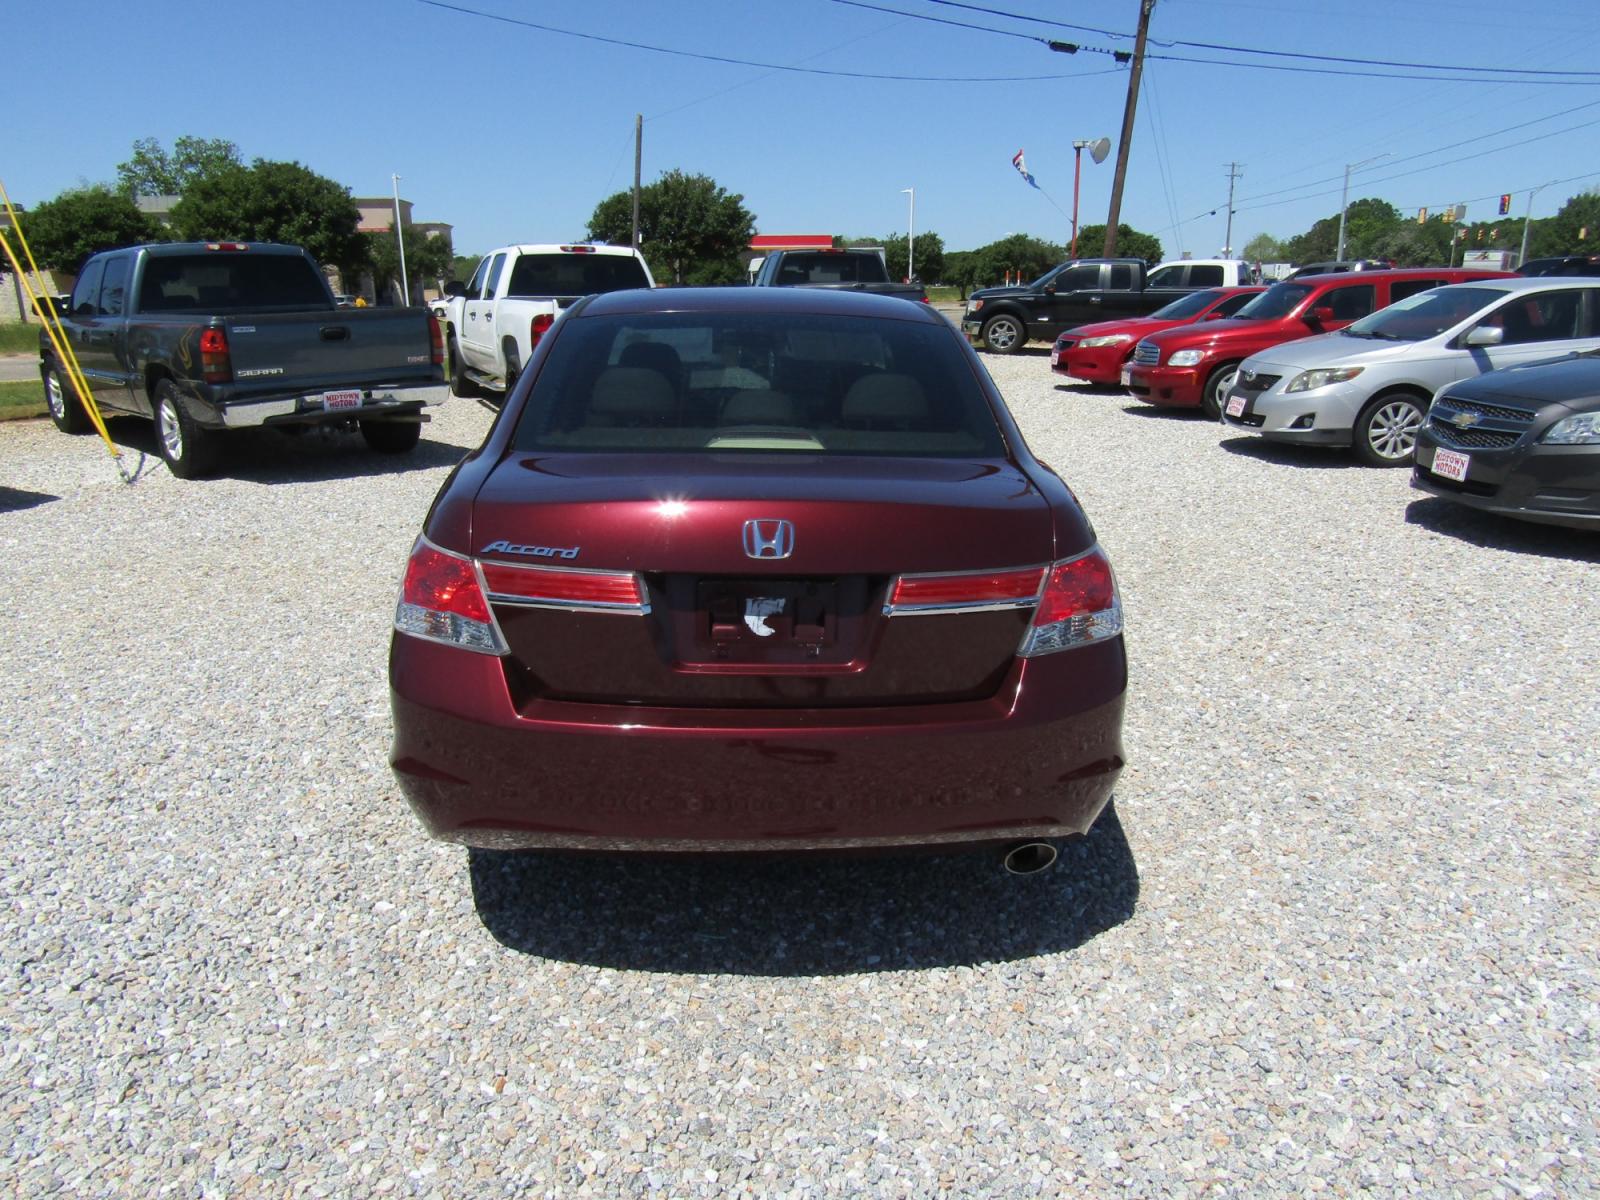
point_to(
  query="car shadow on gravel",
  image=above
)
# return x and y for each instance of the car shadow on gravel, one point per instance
(1494, 532)
(273, 456)
(1100, 391)
(1167, 412)
(804, 915)
(16, 499)
(1281, 454)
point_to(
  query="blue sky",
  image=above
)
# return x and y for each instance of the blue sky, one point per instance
(514, 134)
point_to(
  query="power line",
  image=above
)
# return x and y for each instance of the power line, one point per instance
(744, 62)
(1335, 58)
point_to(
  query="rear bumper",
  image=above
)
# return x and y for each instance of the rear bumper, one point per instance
(1032, 761)
(376, 403)
(1177, 386)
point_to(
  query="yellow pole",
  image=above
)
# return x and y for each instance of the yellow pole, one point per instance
(57, 334)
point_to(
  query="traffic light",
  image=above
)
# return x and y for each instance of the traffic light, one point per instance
(1505, 203)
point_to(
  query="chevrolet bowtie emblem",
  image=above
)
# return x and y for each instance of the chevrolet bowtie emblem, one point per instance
(1464, 420)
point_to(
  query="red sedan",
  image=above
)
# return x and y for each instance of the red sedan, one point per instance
(1097, 353)
(756, 569)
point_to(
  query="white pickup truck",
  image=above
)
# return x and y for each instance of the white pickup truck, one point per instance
(496, 320)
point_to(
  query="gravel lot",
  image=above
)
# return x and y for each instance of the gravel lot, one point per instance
(1337, 935)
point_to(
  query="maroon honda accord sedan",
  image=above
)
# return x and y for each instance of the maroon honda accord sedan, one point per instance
(755, 569)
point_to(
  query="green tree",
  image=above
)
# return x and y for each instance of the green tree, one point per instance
(1367, 222)
(152, 171)
(65, 231)
(1575, 229)
(462, 266)
(1263, 248)
(274, 202)
(691, 229)
(1412, 245)
(1018, 254)
(426, 257)
(928, 251)
(961, 269)
(1131, 243)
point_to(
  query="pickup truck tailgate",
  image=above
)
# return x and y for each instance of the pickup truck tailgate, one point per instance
(340, 348)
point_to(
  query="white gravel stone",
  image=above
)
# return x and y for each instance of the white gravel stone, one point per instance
(1337, 935)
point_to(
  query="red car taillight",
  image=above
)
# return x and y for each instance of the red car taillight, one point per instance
(981, 589)
(604, 591)
(436, 334)
(1080, 605)
(537, 329)
(442, 600)
(216, 364)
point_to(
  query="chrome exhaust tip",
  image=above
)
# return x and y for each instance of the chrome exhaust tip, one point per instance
(1030, 858)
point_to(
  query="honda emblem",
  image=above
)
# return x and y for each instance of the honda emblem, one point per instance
(768, 538)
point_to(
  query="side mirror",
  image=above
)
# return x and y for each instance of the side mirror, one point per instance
(1321, 316)
(455, 288)
(1484, 335)
(1049, 289)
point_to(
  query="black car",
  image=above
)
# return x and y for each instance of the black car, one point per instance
(1523, 442)
(1341, 266)
(1564, 264)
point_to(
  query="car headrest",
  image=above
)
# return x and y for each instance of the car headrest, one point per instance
(632, 393)
(886, 396)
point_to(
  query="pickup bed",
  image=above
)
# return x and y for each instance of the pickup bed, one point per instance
(852, 269)
(203, 338)
(497, 321)
(1080, 292)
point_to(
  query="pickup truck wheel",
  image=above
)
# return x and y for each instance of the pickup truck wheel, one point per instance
(1386, 430)
(460, 385)
(1215, 394)
(392, 437)
(65, 408)
(513, 367)
(1004, 334)
(187, 449)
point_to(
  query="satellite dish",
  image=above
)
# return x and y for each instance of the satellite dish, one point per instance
(1100, 149)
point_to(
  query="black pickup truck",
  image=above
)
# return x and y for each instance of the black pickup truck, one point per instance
(852, 269)
(204, 337)
(1078, 292)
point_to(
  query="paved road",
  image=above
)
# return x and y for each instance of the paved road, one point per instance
(18, 366)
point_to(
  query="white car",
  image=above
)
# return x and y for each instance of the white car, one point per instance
(1368, 386)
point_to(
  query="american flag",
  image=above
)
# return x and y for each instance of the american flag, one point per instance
(1022, 168)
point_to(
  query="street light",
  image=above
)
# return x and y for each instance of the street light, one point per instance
(911, 234)
(1097, 151)
(405, 284)
(1527, 218)
(1344, 199)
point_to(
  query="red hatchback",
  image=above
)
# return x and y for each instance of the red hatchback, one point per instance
(1099, 353)
(756, 569)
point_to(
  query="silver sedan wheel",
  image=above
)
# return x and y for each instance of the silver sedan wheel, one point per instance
(1392, 432)
(1003, 334)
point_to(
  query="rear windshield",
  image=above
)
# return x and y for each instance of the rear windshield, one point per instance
(1279, 300)
(231, 282)
(1191, 305)
(1425, 315)
(739, 382)
(574, 274)
(797, 269)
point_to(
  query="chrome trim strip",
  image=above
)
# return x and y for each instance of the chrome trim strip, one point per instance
(593, 606)
(929, 610)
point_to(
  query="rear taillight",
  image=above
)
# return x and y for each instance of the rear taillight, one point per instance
(442, 600)
(1080, 605)
(436, 334)
(965, 590)
(537, 329)
(559, 587)
(216, 365)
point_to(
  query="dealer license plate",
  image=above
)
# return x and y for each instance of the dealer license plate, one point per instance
(1451, 465)
(1236, 406)
(333, 401)
(1127, 376)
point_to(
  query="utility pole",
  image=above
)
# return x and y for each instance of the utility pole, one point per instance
(1235, 171)
(399, 234)
(1145, 7)
(638, 155)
